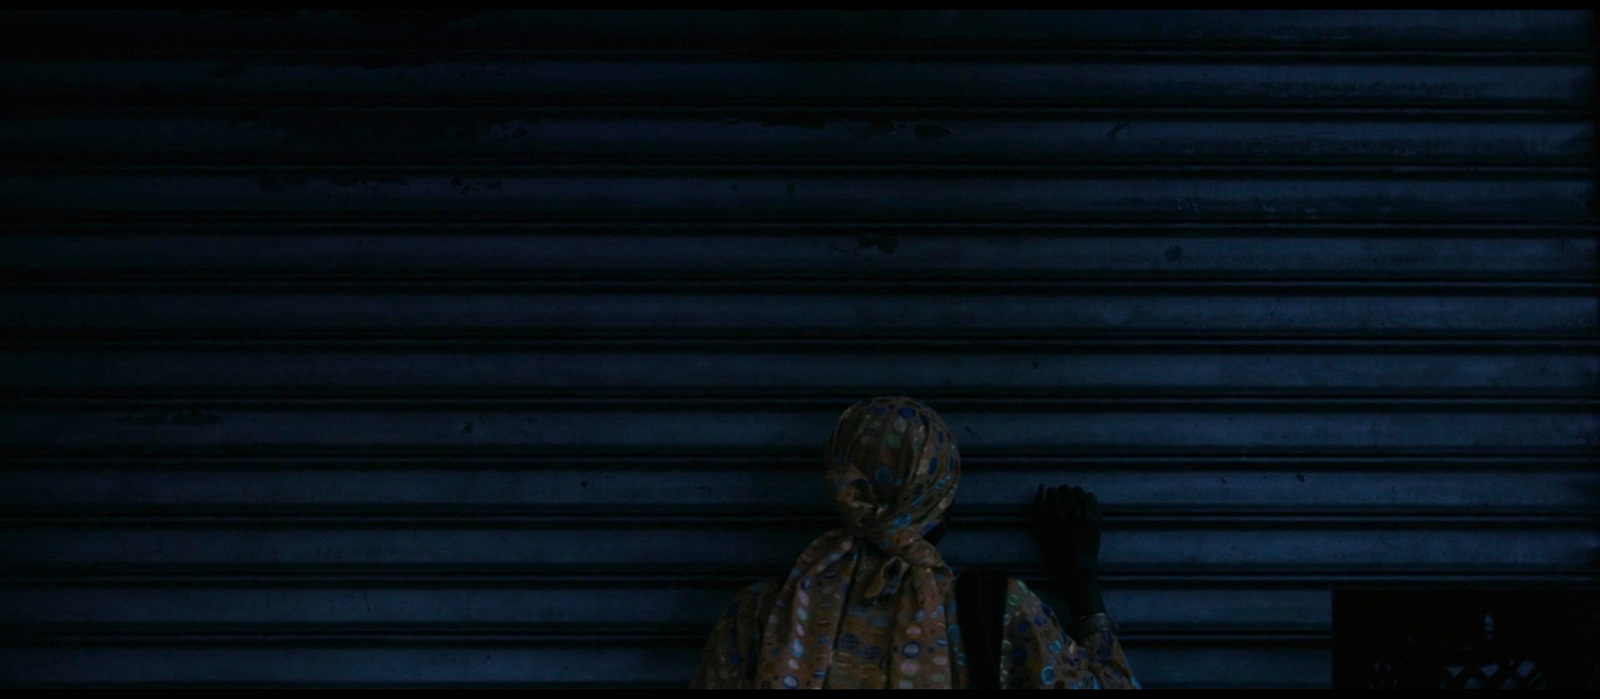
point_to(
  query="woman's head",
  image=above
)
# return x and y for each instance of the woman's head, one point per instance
(893, 466)
(893, 470)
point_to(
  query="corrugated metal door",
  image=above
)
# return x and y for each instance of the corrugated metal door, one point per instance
(432, 348)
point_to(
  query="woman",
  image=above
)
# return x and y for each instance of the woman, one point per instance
(871, 604)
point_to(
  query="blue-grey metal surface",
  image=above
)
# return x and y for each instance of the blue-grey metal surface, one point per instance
(389, 348)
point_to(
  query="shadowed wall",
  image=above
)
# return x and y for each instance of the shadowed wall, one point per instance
(370, 348)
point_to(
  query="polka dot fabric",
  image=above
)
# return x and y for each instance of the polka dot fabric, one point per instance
(870, 604)
(1033, 655)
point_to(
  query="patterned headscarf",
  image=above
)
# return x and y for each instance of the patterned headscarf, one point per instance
(864, 604)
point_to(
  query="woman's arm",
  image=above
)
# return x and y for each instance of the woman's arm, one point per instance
(1067, 524)
(1038, 653)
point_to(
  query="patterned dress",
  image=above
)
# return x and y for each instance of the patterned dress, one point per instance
(1035, 652)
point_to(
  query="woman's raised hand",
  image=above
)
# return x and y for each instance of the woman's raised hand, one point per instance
(1066, 522)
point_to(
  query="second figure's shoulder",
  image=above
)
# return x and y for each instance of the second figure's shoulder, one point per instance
(1020, 597)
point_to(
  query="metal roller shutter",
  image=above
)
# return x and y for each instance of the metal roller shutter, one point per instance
(497, 349)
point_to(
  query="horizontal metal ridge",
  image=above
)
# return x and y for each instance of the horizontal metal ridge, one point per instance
(810, 342)
(614, 398)
(338, 168)
(291, 143)
(47, 220)
(540, 577)
(1499, 30)
(197, 101)
(810, 113)
(348, 684)
(368, 51)
(801, 197)
(291, 516)
(288, 144)
(1160, 227)
(372, 52)
(910, 280)
(971, 284)
(324, 53)
(1153, 458)
(359, 635)
(584, 400)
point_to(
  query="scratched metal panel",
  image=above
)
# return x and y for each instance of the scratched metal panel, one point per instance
(495, 348)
